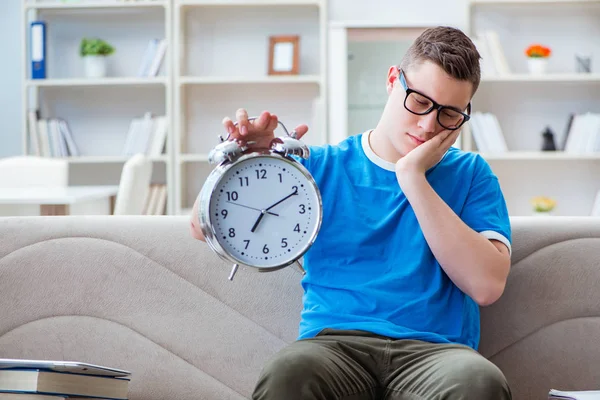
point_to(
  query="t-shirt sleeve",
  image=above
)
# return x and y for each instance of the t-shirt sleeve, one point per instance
(485, 208)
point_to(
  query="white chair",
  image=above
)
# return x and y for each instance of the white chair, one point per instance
(133, 186)
(33, 171)
(27, 172)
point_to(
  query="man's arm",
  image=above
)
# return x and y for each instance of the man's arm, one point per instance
(477, 265)
(195, 224)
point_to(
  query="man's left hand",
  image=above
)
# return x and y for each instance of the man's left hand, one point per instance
(425, 156)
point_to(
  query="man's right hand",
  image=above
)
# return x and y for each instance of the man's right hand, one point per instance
(261, 131)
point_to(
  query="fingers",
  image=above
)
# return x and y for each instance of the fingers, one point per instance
(301, 130)
(242, 117)
(229, 126)
(263, 122)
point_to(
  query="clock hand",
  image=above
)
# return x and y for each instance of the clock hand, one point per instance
(252, 208)
(295, 192)
(262, 214)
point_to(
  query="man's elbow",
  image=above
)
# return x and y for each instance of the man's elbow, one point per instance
(490, 294)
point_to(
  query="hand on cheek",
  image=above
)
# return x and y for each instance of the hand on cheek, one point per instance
(425, 156)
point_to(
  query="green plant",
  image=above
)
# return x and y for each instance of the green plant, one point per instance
(95, 47)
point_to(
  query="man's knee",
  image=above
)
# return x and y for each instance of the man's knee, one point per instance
(286, 374)
(475, 377)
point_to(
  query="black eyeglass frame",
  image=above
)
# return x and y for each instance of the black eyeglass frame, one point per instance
(434, 104)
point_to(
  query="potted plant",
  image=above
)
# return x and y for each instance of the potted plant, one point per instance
(543, 205)
(537, 58)
(94, 52)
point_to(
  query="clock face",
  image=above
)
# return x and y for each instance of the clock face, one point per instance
(265, 212)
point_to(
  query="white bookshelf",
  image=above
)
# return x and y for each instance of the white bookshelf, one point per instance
(218, 69)
(100, 110)
(88, 5)
(526, 104)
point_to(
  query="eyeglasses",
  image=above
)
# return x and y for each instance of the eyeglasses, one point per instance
(417, 103)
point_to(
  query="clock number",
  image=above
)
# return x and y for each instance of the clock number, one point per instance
(284, 243)
(297, 228)
(247, 243)
(232, 196)
(224, 213)
(295, 189)
(302, 209)
(231, 232)
(244, 180)
(280, 178)
(266, 249)
(261, 174)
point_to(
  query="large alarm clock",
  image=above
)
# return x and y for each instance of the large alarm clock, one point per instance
(260, 208)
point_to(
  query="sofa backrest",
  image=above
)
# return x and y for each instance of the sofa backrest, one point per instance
(138, 293)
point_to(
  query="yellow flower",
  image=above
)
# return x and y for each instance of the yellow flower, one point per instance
(543, 204)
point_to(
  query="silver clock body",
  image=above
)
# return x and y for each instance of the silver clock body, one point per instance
(271, 219)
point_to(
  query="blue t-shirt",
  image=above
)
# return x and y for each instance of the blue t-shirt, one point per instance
(370, 267)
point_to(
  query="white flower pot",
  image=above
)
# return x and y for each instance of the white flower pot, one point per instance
(537, 65)
(95, 66)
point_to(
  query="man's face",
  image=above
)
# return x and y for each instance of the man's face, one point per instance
(405, 130)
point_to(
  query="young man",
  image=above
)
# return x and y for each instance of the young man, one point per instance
(417, 239)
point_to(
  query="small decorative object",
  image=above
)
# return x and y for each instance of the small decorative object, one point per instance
(284, 54)
(583, 63)
(537, 58)
(94, 52)
(548, 140)
(543, 205)
(260, 207)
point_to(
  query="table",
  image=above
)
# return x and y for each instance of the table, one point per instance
(56, 200)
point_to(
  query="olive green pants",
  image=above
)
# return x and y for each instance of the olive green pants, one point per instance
(358, 365)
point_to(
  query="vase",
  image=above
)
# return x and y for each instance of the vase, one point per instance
(95, 66)
(537, 65)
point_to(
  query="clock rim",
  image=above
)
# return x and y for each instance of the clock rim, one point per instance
(206, 195)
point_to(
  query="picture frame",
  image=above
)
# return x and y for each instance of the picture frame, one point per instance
(284, 54)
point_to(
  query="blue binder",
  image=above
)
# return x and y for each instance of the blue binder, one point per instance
(38, 50)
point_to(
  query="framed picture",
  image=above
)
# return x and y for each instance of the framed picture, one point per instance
(284, 53)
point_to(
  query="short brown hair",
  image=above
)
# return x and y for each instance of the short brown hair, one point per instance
(450, 49)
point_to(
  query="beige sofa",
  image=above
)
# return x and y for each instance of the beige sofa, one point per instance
(138, 293)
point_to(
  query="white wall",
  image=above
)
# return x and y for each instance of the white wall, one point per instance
(10, 77)
(393, 12)
(401, 12)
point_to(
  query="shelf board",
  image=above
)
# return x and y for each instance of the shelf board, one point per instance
(193, 158)
(83, 4)
(541, 156)
(219, 80)
(97, 82)
(532, 2)
(250, 3)
(566, 77)
(107, 159)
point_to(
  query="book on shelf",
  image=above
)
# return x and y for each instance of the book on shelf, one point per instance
(574, 395)
(153, 58)
(156, 200)
(487, 133)
(493, 60)
(146, 135)
(50, 137)
(583, 133)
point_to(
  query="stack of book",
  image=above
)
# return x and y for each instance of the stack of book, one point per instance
(574, 395)
(55, 380)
